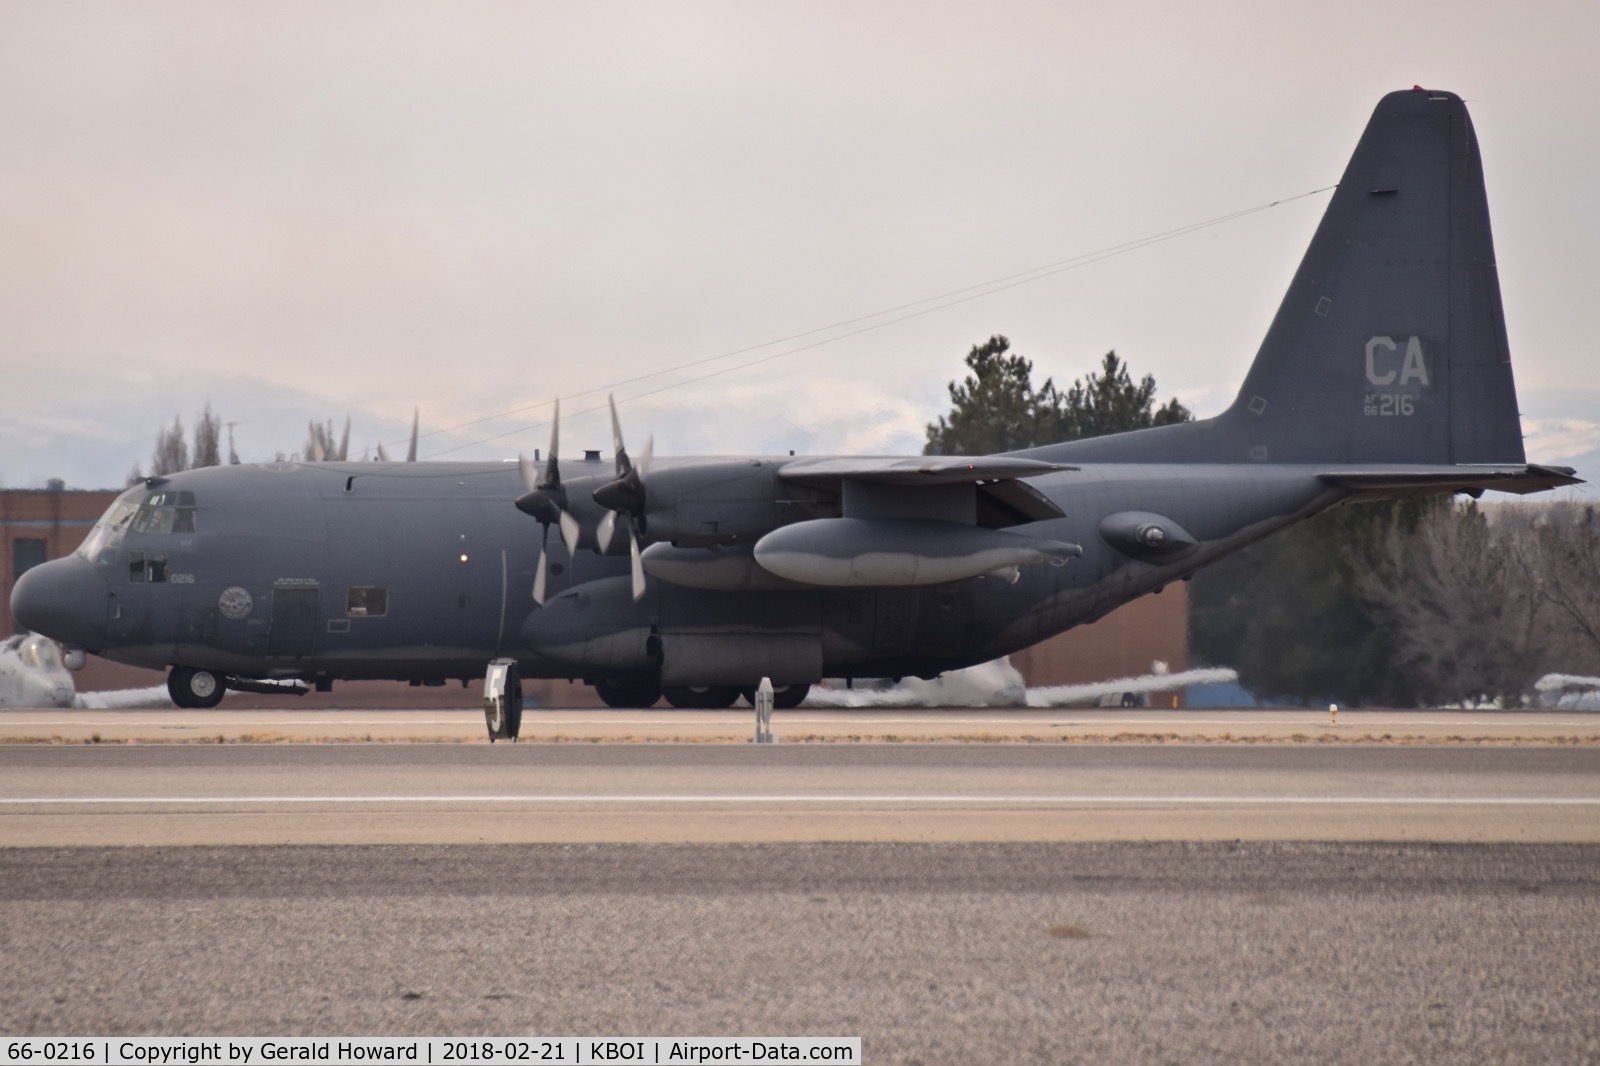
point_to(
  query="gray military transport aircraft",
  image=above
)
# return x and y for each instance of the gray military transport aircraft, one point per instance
(1385, 373)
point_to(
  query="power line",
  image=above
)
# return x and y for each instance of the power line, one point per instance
(940, 302)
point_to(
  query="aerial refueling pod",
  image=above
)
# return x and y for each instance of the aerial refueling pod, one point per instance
(844, 552)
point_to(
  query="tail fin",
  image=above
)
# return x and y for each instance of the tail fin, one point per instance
(1390, 345)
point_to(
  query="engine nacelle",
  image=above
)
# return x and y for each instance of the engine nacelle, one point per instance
(844, 552)
(594, 628)
(719, 501)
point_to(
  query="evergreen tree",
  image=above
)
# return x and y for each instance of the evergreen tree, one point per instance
(997, 409)
(1289, 613)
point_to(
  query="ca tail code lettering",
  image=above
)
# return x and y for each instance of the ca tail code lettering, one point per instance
(1391, 369)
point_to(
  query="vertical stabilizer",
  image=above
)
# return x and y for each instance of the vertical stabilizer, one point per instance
(1390, 346)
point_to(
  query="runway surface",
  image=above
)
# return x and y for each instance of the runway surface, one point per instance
(452, 793)
(1196, 899)
(804, 725)
(1015, 953)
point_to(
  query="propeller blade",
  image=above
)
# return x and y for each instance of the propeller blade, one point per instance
(411, 454)
(383, 456)
(638, 569)
(602, 535)
(344, 442)
(623, 465)
(552, 472)
(642, 465)
(570, 531)
(319, 451)
(538, 578)
(530, 476)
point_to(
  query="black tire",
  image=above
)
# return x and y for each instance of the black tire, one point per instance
(627, 693)
(196, 689)
(709, 697)
(784, 697)
(514, 707)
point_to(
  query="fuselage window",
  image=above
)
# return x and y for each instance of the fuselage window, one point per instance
(147, 567)
(367, 602)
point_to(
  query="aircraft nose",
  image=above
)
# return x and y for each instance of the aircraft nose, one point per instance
(64, 599)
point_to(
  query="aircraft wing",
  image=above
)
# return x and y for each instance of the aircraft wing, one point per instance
(916, 469)
(1508, 477)
(1003, 499)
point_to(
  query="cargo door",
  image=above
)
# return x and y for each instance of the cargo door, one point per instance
(296, 614)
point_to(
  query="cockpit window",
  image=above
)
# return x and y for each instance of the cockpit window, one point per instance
(101, 544)
(166, 512)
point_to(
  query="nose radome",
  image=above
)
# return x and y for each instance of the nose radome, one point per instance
(65, 600)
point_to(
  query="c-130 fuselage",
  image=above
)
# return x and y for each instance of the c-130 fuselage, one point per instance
(1385, 373)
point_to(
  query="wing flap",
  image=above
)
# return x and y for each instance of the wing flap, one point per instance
(916, 469)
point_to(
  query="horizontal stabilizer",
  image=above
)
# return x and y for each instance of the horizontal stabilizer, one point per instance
(1510, 477)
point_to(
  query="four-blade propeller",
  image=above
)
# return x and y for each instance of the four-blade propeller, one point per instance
(625, 494)
(546, 500)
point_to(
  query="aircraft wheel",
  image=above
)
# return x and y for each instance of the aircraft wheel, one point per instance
(784, 697)
(195, 688)
(702, 696)
(627, 694)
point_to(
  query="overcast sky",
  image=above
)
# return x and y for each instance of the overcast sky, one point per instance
(297, 211)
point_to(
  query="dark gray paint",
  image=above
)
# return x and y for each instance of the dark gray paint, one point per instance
(1385, 373)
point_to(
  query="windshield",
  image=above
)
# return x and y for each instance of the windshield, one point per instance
(137, 511)
(166, 512)
(101, 544)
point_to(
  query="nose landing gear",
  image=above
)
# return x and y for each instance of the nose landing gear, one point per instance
(191, 688)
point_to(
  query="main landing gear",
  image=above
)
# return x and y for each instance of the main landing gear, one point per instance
(784, 697)
(701, 696)
(627, 692)
(193, 688)
(637, 693)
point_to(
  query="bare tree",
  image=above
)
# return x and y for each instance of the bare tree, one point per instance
(321, 445)
(319, 442)
(171, 454)
(1564, 565)
(1468, 620)
(207, 437)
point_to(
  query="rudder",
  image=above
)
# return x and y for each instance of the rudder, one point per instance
(1390, 345)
